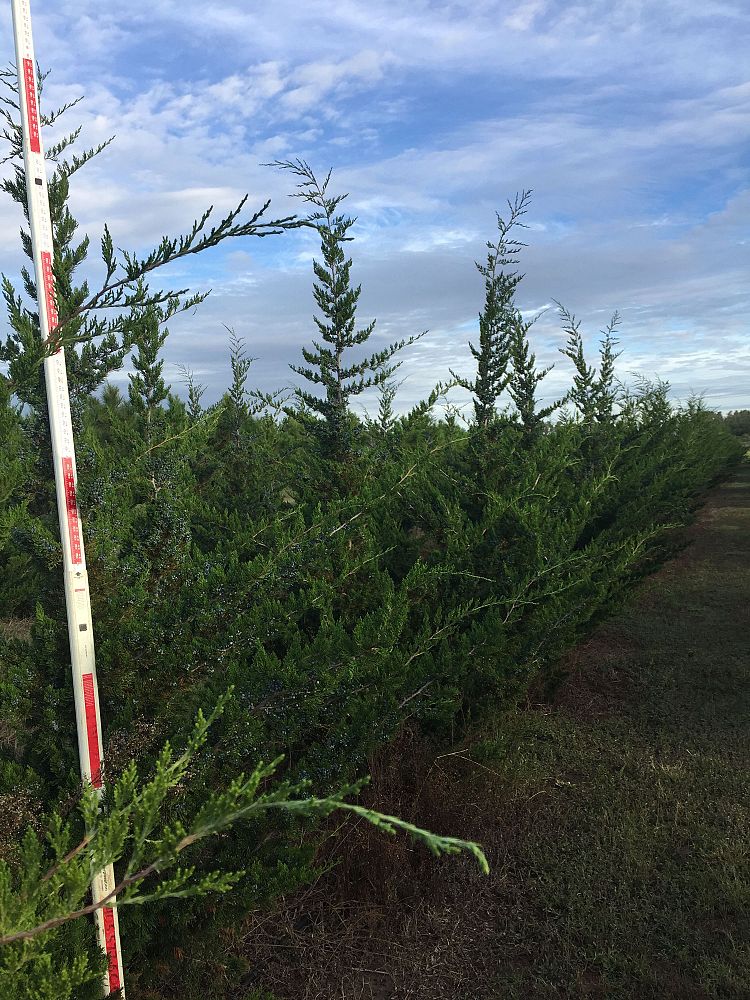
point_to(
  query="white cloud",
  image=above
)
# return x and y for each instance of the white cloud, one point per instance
(627, 118)
(524, 15)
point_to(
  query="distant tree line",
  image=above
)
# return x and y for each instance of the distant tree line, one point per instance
(738, 422)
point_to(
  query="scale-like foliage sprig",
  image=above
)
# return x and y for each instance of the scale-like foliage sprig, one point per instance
(34, 901)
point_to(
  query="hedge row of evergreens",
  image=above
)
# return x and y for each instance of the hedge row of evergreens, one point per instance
(343, 574)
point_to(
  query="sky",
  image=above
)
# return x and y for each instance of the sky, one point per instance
(628, 119)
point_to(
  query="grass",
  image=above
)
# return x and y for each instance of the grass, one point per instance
(616, 816)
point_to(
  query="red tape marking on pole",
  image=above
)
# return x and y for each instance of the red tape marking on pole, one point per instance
(92, 730)
(111, 942)
(32, 112)
(71, 506)
(49, 291)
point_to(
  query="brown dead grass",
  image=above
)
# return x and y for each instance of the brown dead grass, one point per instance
(388, 921)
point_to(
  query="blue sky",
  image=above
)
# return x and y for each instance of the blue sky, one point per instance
(629, 120)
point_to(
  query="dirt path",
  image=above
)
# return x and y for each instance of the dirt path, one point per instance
(617, 821)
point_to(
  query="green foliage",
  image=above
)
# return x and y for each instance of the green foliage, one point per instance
(673, 691)
(342, 575)
(102, 321)
(525, 379)
(147, 390)
(498, 321)
(331, 367)
(593, 393)
(46, 889)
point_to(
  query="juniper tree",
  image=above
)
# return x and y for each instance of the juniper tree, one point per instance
(237, 394)
(335, 619)
(593, 392)
(386, 397)
(330, 365)
(147, 389)
(496, 321)
(22, 349)
(101, 322)
(47, 888)
(608, 391)
(98, 327)
(240, 364)
(195, 392)
(525, 378)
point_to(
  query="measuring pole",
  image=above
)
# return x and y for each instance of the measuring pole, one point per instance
(77, 599)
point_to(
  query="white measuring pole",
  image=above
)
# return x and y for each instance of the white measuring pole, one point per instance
(74, 560)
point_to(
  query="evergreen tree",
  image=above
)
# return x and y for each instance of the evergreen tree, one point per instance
(147, 389)
(386, 397)
(583, 394)
(195, 392)
(102, 322)
(237, 395)
(497, 319)
(607, 389)
(331, 367)
(593, 393)
(524, 380)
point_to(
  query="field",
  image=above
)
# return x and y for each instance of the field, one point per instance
(615, 810)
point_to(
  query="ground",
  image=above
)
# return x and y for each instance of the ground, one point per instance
(615, 814)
